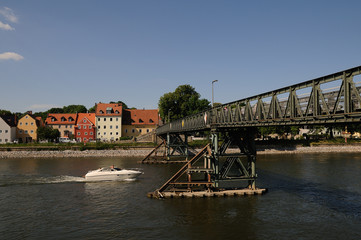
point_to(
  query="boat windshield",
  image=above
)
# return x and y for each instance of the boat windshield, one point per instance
(108, 169)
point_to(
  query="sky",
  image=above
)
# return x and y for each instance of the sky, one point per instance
(58, 53)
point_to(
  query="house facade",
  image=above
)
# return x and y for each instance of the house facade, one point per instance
(64, 122)
(27, 127)
(85, 129)
(7, 129)
(138, 122)
(108, 120)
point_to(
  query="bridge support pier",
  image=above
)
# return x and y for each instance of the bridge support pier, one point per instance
(223, 169)
(236, 164)
(175, 147)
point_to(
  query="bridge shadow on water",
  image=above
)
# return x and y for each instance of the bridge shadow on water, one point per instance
(338, 200)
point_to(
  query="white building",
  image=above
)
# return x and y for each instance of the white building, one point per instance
(7, 129)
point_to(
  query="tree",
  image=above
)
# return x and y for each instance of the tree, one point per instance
(182, 102)
(75, 109)
(47, 133)
(5, 112)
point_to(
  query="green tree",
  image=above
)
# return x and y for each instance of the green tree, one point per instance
(182, 102)
(75, 109)
(5, 112)
(47, 133)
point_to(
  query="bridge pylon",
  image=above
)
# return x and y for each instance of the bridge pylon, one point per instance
(217, 170)
(176, 149)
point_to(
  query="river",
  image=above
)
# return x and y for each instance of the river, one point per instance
(310, 196)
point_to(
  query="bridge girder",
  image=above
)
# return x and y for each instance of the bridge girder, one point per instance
(331, 99)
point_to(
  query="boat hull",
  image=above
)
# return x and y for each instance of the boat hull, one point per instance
(112, 176)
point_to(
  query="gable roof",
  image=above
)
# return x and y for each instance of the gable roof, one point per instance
(108, 109)
(141, 117)
(9, 120)
(89, 116)
(38, 120)
(61, 118)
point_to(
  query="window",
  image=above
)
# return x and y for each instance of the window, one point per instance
(147, 130)
(111, 119)
(71, 126)
(111, 127)
(26, 117)
(140, 120)
(111, 133)
(126, 130)
(116, 133)
(26, 131)
(105, 119)
(84, 121)
(84, 127)
(21, 131)
(86, 133)
(1, 140)
(32, 131)
(116, 127)
(98, 127)
(140, 130)
(151, 121)
(116, 119)
(105, 127)
(105, 133)
(79, 139)
(78, 133)
(26, 124)
(79, 127)
(6, 131)
(59, 126)
(101, 112)
(70, 119)
(117, 112)
(66, 126)
(98, 119)
(1, 131)
(91, 133)
(63, 119)
(84, 139)
(32, 124)
(21, 123)
(132, 130)
(90, 127)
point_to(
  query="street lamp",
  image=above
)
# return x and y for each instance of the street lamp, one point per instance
(213, 92)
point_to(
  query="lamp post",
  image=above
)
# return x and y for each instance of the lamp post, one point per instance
(213, 92)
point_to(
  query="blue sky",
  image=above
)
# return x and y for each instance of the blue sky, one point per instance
(57, 53)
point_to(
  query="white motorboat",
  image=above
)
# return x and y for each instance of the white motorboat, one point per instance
(112, 174)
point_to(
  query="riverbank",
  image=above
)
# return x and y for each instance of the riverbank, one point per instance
(141, 152)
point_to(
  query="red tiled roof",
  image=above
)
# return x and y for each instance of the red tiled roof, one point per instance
(141, 117)
(56, 118)
(89, 116)
(108, 109)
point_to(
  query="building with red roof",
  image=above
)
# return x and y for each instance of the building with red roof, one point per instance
(138, 122)
(108, 119)
(64, 122)
(85, 129)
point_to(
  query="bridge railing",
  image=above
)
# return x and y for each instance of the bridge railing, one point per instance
(334, 98)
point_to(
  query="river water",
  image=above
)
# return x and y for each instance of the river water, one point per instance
(311, 196)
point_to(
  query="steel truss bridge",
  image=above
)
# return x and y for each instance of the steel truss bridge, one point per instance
(331, 99)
